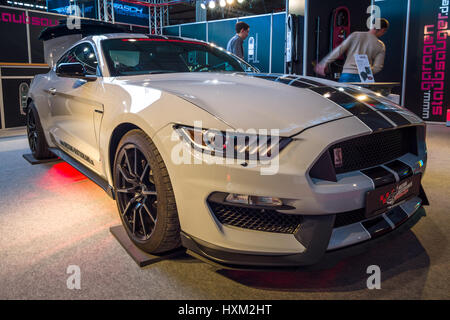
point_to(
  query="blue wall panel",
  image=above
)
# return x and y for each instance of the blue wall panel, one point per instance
(171, 31)
(219, 32)
(260, 36)
(194, 31)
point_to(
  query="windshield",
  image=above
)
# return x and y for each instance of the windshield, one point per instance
(156, 55)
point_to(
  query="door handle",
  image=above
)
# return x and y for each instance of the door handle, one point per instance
(52, 91)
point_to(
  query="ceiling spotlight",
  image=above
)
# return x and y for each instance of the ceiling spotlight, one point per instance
(203, 5)
(230, 1)
(223, 3)
(212, 4)
(240, 1)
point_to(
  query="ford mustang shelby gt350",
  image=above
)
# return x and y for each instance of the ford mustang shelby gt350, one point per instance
(199, 149)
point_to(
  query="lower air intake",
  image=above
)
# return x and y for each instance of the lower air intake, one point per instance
(256, 219)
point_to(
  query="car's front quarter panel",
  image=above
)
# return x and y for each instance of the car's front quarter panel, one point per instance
(148, 109)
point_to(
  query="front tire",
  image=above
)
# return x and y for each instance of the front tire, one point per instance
(36, 136)
(144, 194)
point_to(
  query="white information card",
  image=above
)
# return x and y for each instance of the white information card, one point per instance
(364, 69)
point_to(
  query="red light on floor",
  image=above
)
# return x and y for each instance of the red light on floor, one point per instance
(66, 170)
(59, 175)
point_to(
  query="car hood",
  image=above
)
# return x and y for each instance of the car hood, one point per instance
(246, 102)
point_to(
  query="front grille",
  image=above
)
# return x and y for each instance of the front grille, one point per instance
(255, 219)
(350, 217)
(374, 149)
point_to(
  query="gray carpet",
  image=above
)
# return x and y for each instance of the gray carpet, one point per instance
(52, 217)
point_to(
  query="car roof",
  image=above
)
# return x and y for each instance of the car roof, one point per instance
(138, 35)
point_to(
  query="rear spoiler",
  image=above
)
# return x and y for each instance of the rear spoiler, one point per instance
(57, 39)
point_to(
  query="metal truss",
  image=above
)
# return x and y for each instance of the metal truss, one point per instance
(158, 12)
(158, 15)
(106, 10)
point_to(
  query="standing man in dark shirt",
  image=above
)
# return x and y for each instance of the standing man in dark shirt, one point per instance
(235, 43)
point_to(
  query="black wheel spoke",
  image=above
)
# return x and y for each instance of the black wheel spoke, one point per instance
(126, 190)
(147, 167)
(142, 222)
(135, 162)
(125, 176)
(134, 221)
(149, 193)
(128, 162)
(149, 213)
(128, 207)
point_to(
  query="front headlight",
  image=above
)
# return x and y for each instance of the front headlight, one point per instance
(260, 146)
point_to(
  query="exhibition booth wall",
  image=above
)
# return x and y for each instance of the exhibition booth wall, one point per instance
(416, 47)
(427, 76)
(264, 47)
(22, 57)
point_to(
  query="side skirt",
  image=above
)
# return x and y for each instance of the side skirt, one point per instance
(100, 181)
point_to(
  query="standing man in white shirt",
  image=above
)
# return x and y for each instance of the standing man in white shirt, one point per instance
(358, 43)
(235, 45)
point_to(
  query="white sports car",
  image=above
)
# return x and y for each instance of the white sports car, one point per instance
(243, 169)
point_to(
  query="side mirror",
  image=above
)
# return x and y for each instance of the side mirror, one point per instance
(74, 70)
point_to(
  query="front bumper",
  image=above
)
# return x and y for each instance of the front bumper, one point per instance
(318, 253)
(317, 201)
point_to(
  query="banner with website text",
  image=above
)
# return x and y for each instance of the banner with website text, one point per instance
(428, 68)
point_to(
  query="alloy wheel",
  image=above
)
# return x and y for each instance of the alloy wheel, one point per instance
(32, 131)
(136, 192)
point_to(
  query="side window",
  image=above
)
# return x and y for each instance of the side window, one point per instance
(84, 54)
(63, 59)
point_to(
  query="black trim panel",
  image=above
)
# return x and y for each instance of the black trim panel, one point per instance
(265, 77)
(300, 84)
(402, 169)
(284, 80)
(389, 112)
(423, 196)
(323, 169)
(377, 227)
(294, 81)
(312, 82)
(368, 116)
(380, 176)
(397, 216)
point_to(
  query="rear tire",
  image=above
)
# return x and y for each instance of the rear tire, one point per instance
(36, 136)
(144, 194)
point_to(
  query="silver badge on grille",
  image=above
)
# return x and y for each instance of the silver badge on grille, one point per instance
(338, 161)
